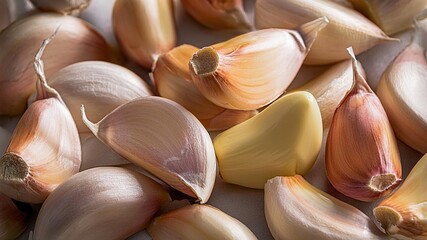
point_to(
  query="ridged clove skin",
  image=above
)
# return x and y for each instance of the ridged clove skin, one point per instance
(13, 221)
(362, 159)
(72, 7)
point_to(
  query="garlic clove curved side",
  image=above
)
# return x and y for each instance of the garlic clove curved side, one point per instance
(13, 221)
(72, 7)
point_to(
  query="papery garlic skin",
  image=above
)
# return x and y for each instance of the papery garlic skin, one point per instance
(76, 41)
(294, 210)
(402, 92)
(100, 203)
(165, 139)
(284, 139)
(73, 7)
(233, 74)
(144, 28)
(100, 86)
(13, 221)
(404, 213)
(218, 14)
(362, 159)
(198, 222)
(347, 27)
(173, 81)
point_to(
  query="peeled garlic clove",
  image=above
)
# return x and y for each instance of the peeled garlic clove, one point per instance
(233, 74)
(347, 27)
(284, 139)
(405, 211)
(13, 221)
(198, 222)
(76, 41)
(402, 92)
(173, 80)
(100, 86)
(362, 159)
(44, 150)
(218, 14)
(73, 7)
(144, 28)
(100, 203)
(165, 139)
(294, 209)
(392, 16)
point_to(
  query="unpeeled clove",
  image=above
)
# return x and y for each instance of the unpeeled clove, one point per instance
(234, 74)
(73, 7)
(362, 159)
(13, 221)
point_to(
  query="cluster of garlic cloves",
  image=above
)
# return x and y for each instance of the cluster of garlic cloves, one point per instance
(13, 221)
(73, 7)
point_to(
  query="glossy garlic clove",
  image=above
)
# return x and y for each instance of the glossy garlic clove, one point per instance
(173, 81)
(362, 159)
(347, 27)
(73, 7)
(100, 203)
(294, 209)
(198, 222)
(165, 139)
(233, 74)
(13, 221)
(144, 28)
(284, 139)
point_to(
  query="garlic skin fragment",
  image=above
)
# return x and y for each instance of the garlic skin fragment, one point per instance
(218, 14)
(100, 203)
(294, 209)
(164, 138)
(13, 221)
(233, 74)
(198, 222)
(144, 28)
(73, 7)
(361, 157)
(404, 212)
(75, 41)
(347, 27)
(284, 139)
(173, 81)
(100, 86)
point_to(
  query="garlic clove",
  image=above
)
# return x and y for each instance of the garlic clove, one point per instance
(198, 222)
(392, 16)
(73, 7)
(113, 203)
(164, 138)
(75, 42)
(347, 27)
(173, 81)
(284, 139)
(294, 209)
(42, 153)
(13, 221)
(404, 213)
(361, 157)
(100, 86)
(233, 74)
(218, 14)
(144, 28)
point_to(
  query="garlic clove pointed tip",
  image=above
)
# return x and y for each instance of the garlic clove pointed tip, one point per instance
(92, 126)
(310, 30)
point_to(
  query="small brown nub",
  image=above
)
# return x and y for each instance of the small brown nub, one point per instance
(387, 217)
(205, 61)
(382, 182)
(13, 168)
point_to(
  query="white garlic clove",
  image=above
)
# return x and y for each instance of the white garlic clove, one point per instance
(73, 7)
(100, 203)
(13, 221)
(165, 139)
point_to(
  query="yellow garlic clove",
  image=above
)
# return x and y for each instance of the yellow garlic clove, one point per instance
(362, 159)
(392, 16)
(198, 222)
(233, 74)
(100, 86)
(347, 27)
(402, 92)
(73, 7)
(294, 209)
(173, 81)
(44, 150)
(405, 211)
(76, 41)
(13, 221)
(284, 139)
(165, 139)
(100, 203)
(218, 14)
(144, 28)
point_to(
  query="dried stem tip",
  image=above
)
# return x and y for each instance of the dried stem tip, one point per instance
(205, 61)
(13, 168)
